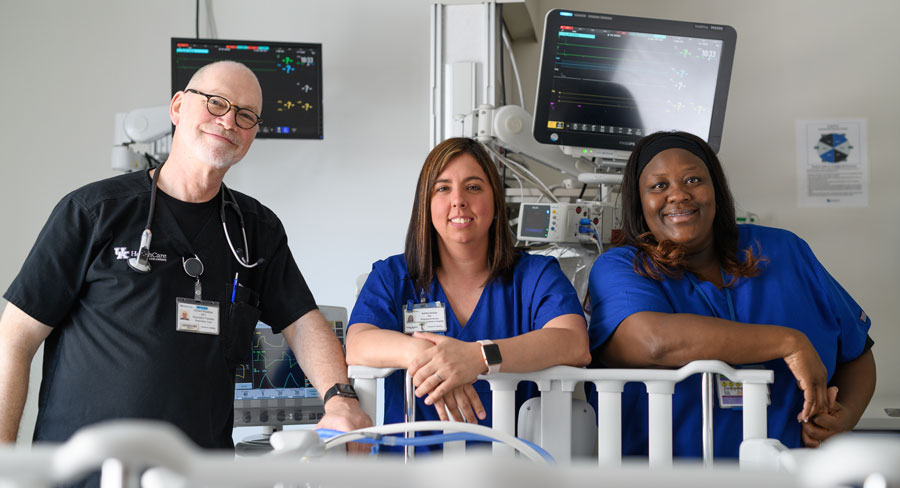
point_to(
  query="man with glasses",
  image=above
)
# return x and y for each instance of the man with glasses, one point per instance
(156, 332)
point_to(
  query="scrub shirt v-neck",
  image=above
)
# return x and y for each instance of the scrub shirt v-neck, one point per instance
(537, 293)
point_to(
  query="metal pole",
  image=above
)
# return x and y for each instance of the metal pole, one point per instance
(436, 98)
(409, 414)
(491, 68)
(707, 392)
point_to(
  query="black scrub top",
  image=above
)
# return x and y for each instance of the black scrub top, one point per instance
(114, 351)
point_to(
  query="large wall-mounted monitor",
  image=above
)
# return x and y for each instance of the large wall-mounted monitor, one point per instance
(290, 74)
(605, 81)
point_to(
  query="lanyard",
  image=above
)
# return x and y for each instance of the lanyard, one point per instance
(699, 290)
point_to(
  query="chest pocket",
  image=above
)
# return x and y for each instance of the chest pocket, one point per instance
(241, 317)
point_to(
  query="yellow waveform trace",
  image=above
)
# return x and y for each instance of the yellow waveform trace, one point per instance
(261, 339)
(243, 371)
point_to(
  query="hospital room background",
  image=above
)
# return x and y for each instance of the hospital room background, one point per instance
(68, 67)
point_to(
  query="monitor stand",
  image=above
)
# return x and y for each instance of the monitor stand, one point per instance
(256, 445)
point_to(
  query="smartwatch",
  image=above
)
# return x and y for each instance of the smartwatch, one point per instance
(340, 389)
(491, 354)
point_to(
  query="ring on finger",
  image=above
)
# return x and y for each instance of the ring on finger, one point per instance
(438, 378)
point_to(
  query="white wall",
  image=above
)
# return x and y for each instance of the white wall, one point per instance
(803, 59)
(345, 201)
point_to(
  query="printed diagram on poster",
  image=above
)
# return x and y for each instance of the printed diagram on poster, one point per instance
(832, 166)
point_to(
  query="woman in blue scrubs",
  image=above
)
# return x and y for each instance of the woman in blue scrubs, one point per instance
(460, 252)
(688, 283)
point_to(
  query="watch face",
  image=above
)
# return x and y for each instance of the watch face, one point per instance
(345, 390)
(492, 353)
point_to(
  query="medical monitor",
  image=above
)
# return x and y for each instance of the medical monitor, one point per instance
(290, 74)
(270, 388)
(605, 81)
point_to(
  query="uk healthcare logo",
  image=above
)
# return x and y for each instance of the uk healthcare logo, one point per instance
(124, 253)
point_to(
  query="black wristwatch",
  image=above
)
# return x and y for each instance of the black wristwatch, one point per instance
(340, 389)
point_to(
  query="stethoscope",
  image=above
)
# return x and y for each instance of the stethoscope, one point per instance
(141, 263)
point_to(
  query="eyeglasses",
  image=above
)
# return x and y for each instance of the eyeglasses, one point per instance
(219, 106)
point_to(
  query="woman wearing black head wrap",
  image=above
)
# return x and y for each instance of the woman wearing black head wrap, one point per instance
(688, 283)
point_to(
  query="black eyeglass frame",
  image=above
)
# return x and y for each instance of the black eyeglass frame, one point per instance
(228, 109)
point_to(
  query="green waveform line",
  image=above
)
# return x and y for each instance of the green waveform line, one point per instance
(272, 385)
(284, 357)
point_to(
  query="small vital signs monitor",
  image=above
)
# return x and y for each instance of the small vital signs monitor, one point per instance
(270, 389)
(290, 74)
(605, 81)
(564, 222)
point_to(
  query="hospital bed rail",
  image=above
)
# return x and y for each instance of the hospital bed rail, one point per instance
(124, 449)
(557, 384)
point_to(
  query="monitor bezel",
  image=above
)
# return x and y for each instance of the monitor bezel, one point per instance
(615, 142)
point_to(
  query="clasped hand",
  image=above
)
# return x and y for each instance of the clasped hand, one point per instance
(444, 373)
(834, 420)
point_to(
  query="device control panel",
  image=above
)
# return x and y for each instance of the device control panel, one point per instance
(565, 222)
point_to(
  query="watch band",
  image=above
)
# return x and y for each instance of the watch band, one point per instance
(340, 389)
(491, 354)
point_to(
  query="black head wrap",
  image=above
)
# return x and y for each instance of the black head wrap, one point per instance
(669, 141)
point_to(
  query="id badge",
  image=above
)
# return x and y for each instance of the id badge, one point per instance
(197, 316)
(424, 317)
(731, 393)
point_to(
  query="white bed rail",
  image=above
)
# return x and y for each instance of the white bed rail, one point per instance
(556, 385)
(132, 446)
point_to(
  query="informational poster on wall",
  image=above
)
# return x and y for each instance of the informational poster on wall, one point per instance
(832, 166)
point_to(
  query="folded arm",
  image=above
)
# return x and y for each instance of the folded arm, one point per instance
(654, 339)
(561, 341)
(444, 368)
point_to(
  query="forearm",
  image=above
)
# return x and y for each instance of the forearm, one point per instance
(856, 384)
(546, 347)
(317, 350)
(371, 346)
(651, 339)
(20, 337)
(13, 391)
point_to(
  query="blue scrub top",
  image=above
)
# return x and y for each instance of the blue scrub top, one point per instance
(792, 290)
(537, 293)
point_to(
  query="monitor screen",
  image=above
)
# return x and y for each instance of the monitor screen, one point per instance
(534, 221)
(290, 74)
(605, 81)
(270, 389)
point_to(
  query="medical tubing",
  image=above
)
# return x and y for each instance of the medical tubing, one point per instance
(243, 262)
(532, 452)
(524, 172)
(534, 179)
(597, 235)
(538, 184)
(153, 194)
(425, 440)
(519, 180)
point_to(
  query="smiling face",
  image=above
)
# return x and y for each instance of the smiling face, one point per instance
(216, 140)
(678, 199)
(462, 203)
